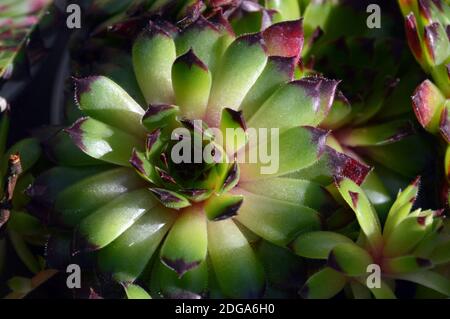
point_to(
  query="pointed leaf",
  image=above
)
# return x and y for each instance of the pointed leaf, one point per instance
(153, 56)
(191, 83)
(278, 70)
(238, 271)
(102, 141)
(317, 245)
(324, 284)
(365, 214)
(303, 102)
(170, 199)
(180, 254)
(241, 65)
(219, 207)
(82, 198)
(127, 256)
(104, 100)
(274, 220)
(107, 223)
(349, 259)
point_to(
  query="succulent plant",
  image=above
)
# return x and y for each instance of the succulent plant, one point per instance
(409, 247)
(427, 28)
(20, 232)
(145, 217)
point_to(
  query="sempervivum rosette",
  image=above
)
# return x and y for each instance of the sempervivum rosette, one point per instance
(427, 26)
(143, 205)
(409, 247)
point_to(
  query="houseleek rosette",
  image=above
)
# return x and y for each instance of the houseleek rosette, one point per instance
(190, 226)
(410, 246)
(427, 26)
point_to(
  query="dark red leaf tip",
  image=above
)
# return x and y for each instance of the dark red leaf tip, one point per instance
(284, 64)
(191, 59)
(413, 36)
(343, 165)
(421, 220)
(318, 137)
(237, 117)
(423, 95)
(136, 162)
(229, 211)
(154, 109)
(432, 36)
(252, 39)
(354, 196)
(75, 132)
(82, 85)
(180, 266)
(285, 39)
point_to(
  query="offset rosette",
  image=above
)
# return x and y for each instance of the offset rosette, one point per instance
(181, 189)
(411, 246)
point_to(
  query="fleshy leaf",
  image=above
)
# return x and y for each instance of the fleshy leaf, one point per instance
(180, 254)
(349, 259)
(303, 102)
(407, 234)
(238, 271)
(241, 65)
(108, 222)
(170, 199)
(102, 141)
(104, 100)
(428, 102)
(127, 256)
(324, 284)
(278, 70)
(79, 199)
(223, 206)
(274, 220)
(158, 116)
(365, 213)
(191, 83)
(284, 150)
(157, 46)
(317, 245)
(284, 39)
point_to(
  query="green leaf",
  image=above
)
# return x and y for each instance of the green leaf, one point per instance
(191, 83)
(104, 100)
(103, 141)
(82, 198)
(407, 234)
(366, 215)
(278, 70)
(238, 271)
(324, 284)
(349, 259)
(283, 156)
(303, 102)
(153, 56)
(317, 244)
(136, 292)
(108, 222)
(241, 65)
(274, 220)
(405, 264)
(296, 191)
(205, 39)
(180, 254)
(167, 283)
(127, 256)
(20, 19)
(219, 207)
